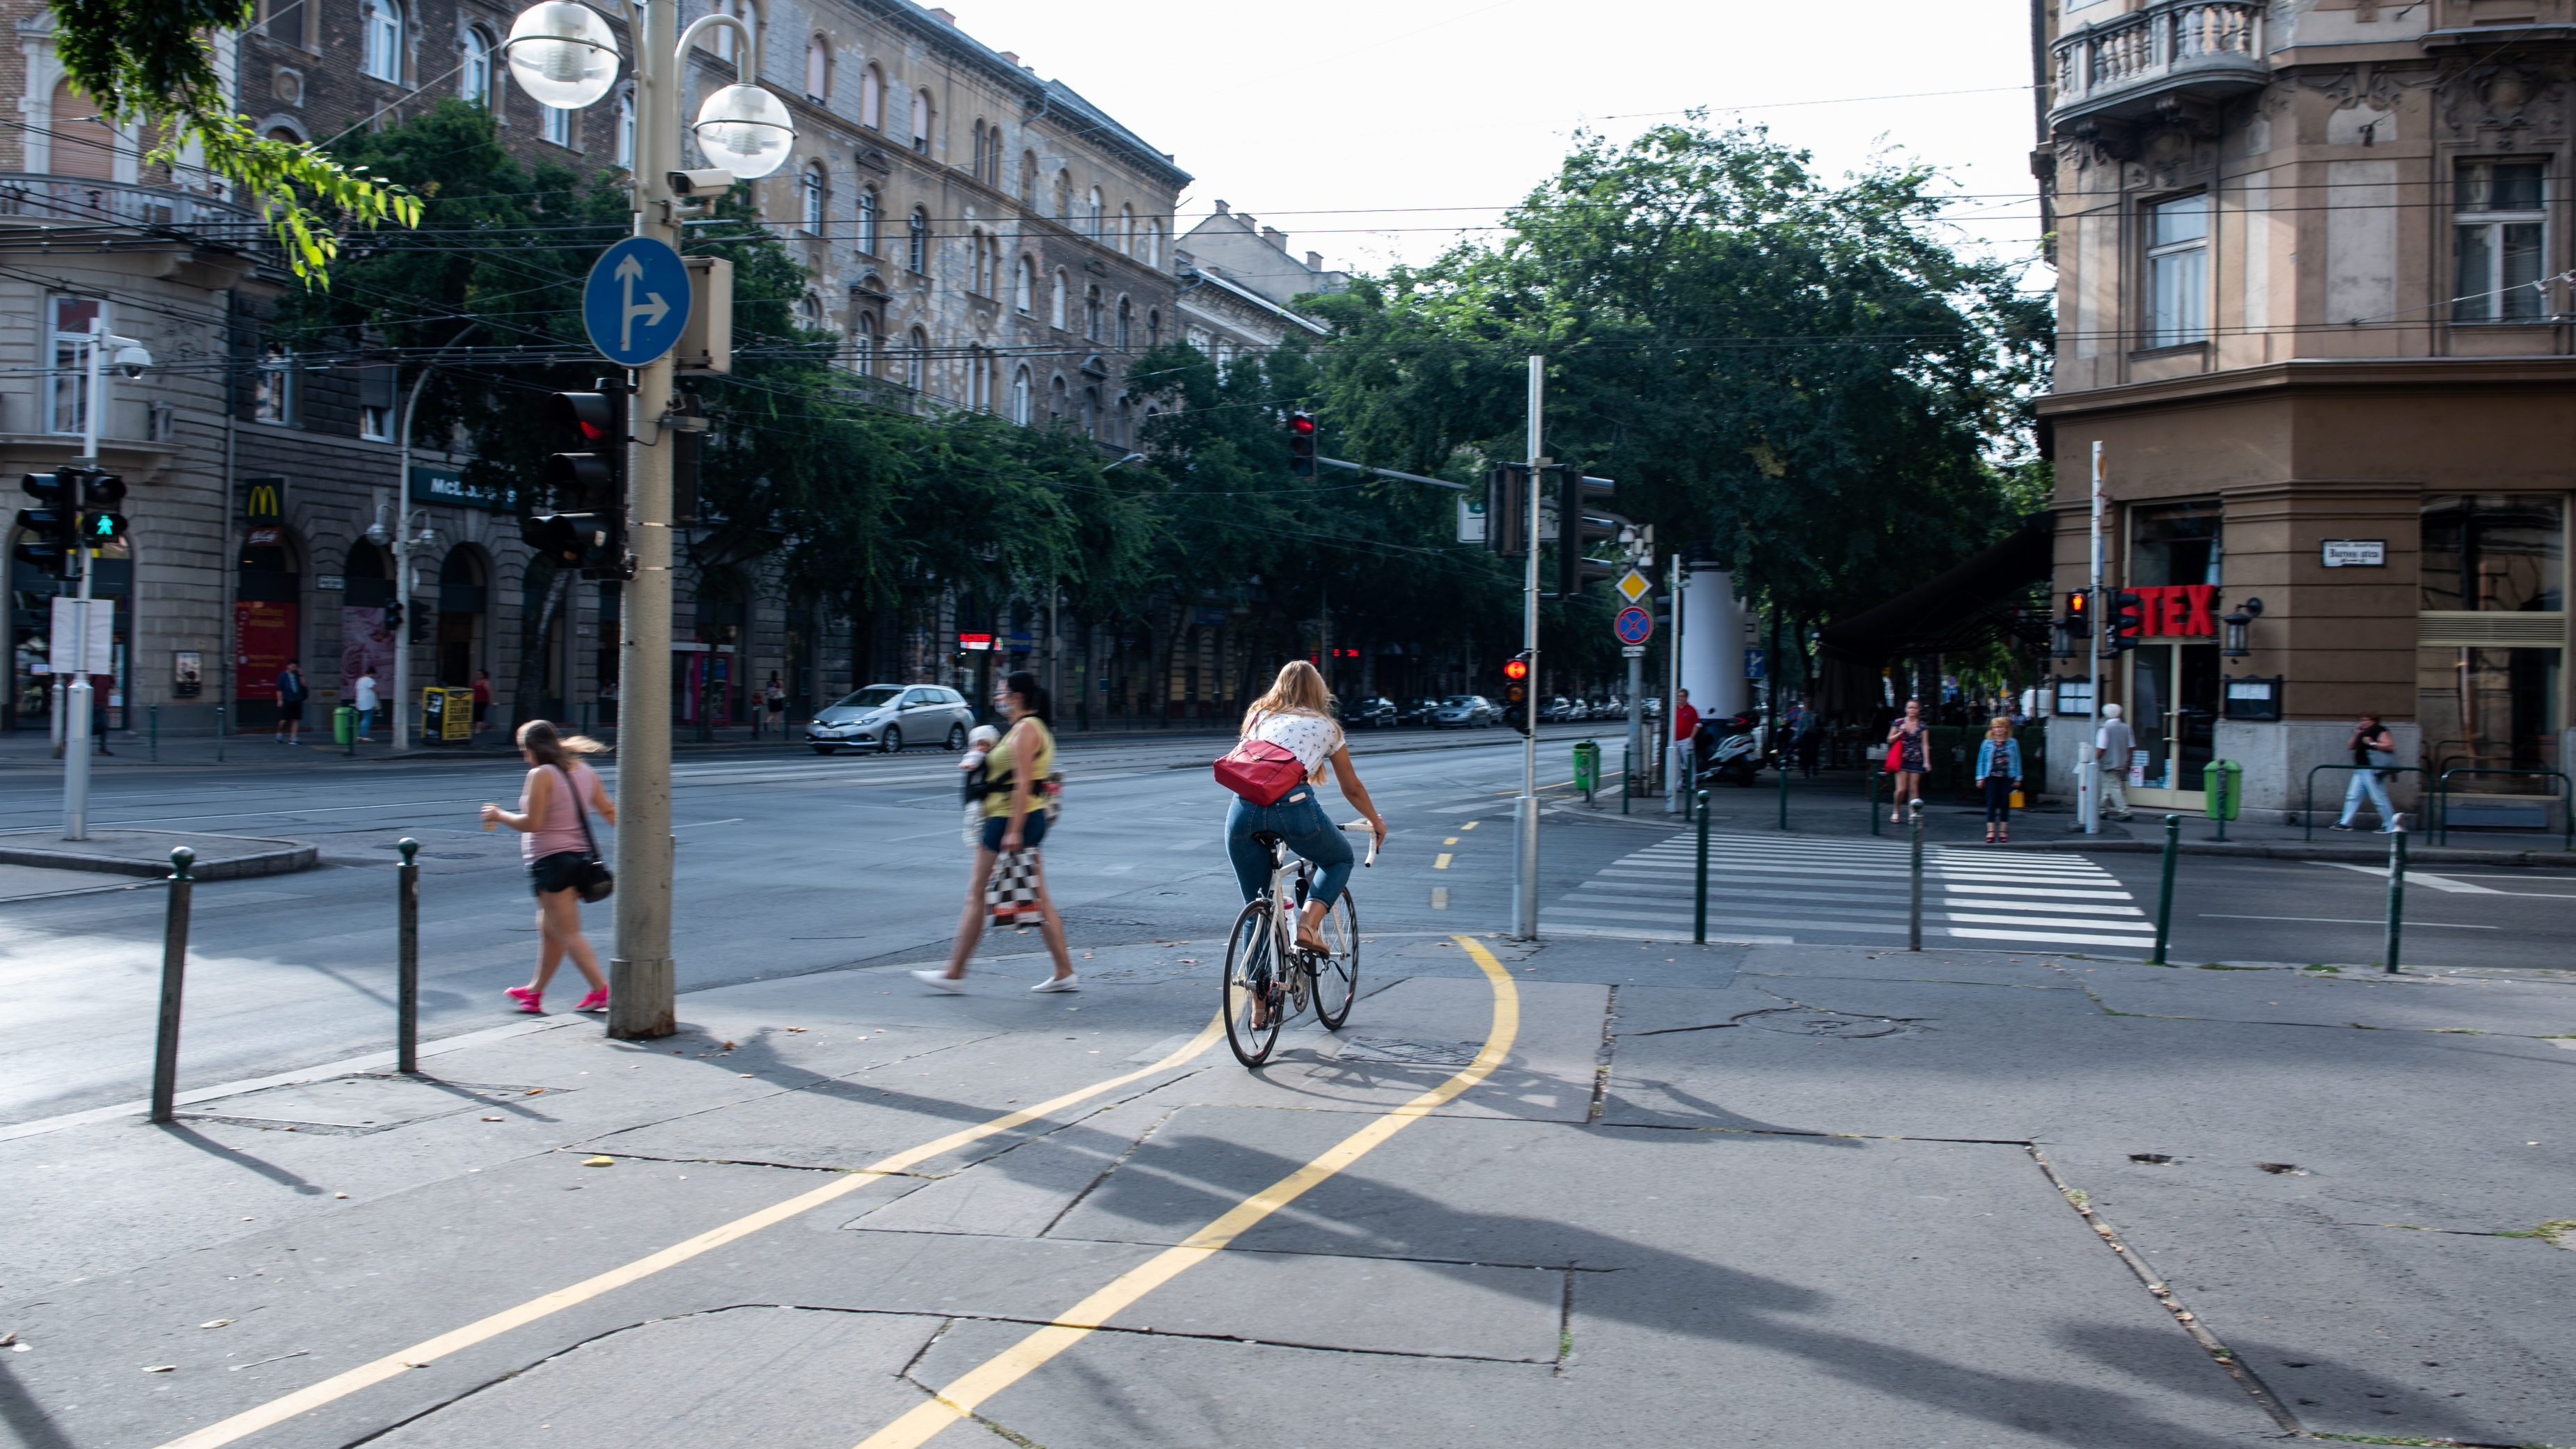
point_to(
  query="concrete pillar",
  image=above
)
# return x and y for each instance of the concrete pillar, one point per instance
(1713, 642)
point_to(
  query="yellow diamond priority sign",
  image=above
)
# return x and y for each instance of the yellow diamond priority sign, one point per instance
(1633, 586)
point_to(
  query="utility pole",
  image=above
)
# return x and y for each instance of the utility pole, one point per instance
(643, 989)
(2088, 784)
(1525, 820)
(1676, 779)
(402, 547)
(76, 699)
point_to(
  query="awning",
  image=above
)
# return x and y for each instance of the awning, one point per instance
(1957, 611)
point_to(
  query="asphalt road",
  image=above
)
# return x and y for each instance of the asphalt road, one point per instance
(793, 863)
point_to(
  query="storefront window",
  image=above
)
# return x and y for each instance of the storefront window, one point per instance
(2495, 552)
(2173, 675)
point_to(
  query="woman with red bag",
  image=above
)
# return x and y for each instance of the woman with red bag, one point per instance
(1909, 756)
(1297, 716)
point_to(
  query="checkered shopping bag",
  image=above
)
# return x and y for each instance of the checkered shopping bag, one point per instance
(1011, 896)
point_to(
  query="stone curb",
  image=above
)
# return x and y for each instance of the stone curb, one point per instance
(2319, 850)
(286, 857)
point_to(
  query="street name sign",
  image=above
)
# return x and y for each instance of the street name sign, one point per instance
(1632, 651)
(2355, 553)
(1633, 586)
(1634, 625)
(636, 303)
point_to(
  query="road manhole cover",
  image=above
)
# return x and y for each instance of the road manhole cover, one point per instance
(1408, 1052)
(1806, 1021)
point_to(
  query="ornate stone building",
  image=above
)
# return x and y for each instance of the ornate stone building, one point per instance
(2314, 307)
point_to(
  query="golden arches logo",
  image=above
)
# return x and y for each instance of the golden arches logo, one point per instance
(265, 501)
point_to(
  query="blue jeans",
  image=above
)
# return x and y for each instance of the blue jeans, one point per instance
(1299, 820)
(2366, 780)
(366, 723)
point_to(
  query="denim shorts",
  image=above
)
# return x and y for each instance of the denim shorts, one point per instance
(1032, 830)
(550, 873)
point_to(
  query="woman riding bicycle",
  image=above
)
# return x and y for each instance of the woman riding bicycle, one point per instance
(1297, 716)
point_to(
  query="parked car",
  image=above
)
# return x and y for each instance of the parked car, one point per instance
(887, 717)
(1557, 710)
(1373, 713)
(1418, 713)
(1465, 712)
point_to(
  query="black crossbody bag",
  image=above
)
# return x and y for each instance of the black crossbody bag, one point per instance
(593, 881)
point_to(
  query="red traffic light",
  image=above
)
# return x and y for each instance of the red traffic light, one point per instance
(592, 414)
(1302, 424)
(1516, 669)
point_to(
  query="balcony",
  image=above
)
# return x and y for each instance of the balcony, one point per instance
(80, 201)
(2166, 56)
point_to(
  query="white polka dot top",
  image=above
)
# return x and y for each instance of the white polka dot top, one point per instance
(1312, 738)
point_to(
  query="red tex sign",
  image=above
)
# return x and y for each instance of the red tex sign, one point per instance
(2179, 609)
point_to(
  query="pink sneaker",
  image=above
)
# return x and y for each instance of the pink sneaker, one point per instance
(532, 1002)
(595, 1001)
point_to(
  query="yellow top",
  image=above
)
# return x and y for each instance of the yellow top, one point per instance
(998, 763)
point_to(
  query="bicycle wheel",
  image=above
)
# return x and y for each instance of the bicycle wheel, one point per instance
(1254, 1002)
(1337, 976)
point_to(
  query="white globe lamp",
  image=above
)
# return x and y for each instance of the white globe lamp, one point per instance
(563, 53)
(745, 130)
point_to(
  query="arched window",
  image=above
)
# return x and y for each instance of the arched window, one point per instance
(976, 281)
(1029, 180)
(863, 345)
(1126, 430)
(1126, 324)
(1063, 197)
(809, 313)
(916, 243)
(1154, 327)
(555, 125)
(1153, 254)
(1057, 407)
(723, 38)
(474, 76)
(1024, 293)
(979, 148)
(818, 69)
(867, 221)
(1091, 313)
(1127, 229)
(380, 39)
(872, 98)
(921, 122)
(1057, 303)
(810, 196)
(1020, 397)
(916, 362)
(979, 378)
(1091, 212)
(626, 131)
(1091, 412)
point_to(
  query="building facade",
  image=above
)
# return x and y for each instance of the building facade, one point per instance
(2315, 312)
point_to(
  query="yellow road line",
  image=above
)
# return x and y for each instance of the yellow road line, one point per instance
(969, 1391)
(1470, 825)
(1442, 863)
(1452, 840)
(421, 1355)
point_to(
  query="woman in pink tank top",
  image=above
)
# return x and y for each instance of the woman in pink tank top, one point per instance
(559, 793)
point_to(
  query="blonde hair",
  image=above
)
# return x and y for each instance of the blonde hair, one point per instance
(551, 746)
(1299, 689)
(2001, 719)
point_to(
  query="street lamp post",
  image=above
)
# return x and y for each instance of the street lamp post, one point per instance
(565, 55)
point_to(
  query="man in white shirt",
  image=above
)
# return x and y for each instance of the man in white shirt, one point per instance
(366, 704)
(2111, 747)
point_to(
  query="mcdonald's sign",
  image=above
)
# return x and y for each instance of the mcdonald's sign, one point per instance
(264, 502)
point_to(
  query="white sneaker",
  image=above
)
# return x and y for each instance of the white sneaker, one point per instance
(1058, 983)
(938, 981)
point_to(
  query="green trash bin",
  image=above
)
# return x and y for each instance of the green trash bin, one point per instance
(344, 724)
(1587, 766)
(2223, 786)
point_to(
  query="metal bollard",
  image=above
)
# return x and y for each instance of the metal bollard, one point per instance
(2164, 891)
(2396, 889)
(174, 973)
(1914, 898)
(1627, 778)
(1699, 907)
(153, 713)
(1874, 777)
(1784, 792)
(219, 734)
(407, 957)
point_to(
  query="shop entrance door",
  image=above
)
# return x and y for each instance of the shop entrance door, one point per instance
(2173, 693)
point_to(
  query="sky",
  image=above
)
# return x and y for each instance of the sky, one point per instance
(1378, 131)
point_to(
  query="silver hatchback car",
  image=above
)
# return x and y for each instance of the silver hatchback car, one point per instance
(887, 717)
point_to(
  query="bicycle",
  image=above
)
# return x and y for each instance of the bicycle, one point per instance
(1268, 977)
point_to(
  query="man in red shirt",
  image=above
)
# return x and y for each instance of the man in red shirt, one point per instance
(1685, 725)
(1685, 719)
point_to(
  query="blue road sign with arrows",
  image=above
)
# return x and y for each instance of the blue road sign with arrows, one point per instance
(636, 303)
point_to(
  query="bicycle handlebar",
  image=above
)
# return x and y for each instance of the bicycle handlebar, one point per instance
(1371, 832)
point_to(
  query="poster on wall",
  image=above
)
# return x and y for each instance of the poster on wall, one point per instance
(366, 647)
(263, 642)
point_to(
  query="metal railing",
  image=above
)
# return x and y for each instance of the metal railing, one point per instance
(2308, 805)
(2566, 798)
(2168, 38)
(39, 197)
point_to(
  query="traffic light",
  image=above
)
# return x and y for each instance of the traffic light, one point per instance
(2079, 615)
(585, 486)
(100, 523)
(1579, 525)
(47, 533)
(1507, 509)
(1301, 444)
(393, 615)
(1516, 691)
(2128, 621)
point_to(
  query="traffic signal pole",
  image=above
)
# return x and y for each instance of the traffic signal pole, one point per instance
(76, 699)
(643, 982)
(1525, 820)
(2088, 769)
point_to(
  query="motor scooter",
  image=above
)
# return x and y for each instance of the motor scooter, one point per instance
(1729, 750)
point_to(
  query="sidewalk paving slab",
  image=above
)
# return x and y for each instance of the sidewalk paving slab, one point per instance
(147, 853)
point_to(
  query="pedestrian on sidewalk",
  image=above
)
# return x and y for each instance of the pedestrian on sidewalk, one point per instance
(1909, 756)
(2373, 749)
(556, 842)
(775, 696)
(1806, 739)
(482, 698)
(291, 694)
(1297, 716)
(1999, 765)
(1015, 819)
(367, 704)
(2112, 745)
(1685, 770)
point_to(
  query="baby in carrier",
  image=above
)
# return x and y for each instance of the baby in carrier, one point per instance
(972, 785)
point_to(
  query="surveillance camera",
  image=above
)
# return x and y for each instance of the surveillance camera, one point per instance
(693, 183)
(132, 360)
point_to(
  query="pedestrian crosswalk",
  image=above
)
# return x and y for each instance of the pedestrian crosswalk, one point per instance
(1785, 890)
